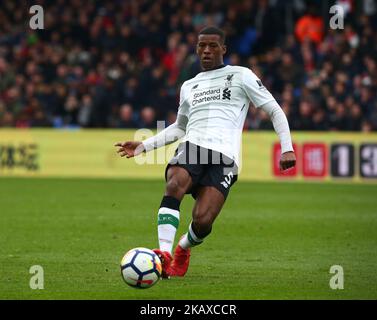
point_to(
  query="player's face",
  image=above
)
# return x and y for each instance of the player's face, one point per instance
(210, 51)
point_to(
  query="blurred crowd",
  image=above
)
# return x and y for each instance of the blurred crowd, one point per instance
(120, 64)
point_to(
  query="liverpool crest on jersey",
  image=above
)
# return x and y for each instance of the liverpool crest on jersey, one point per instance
(229, 79)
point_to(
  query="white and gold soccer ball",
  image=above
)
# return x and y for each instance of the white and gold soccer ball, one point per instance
(141, 268)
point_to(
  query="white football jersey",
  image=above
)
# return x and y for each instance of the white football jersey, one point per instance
(216, 104)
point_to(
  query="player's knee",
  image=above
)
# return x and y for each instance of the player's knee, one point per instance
(174, 189)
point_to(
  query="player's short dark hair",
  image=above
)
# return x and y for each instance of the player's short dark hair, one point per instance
(214, 30)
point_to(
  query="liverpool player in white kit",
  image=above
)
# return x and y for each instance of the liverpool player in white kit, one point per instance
(211, 114)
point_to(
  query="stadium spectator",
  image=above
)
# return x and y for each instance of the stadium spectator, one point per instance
(126, 117)
(147, 118)
(85, 111)
(310, 27)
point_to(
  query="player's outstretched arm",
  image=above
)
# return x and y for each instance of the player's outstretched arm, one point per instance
(281, 126)
(169, 135)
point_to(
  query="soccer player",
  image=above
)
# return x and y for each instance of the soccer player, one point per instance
(211, 114)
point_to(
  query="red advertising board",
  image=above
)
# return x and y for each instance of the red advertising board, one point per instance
(276, 162)
(314, 160)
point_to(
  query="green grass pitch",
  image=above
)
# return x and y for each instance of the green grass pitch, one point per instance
(271, 241)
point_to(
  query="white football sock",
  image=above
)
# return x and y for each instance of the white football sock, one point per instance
(168, 221)
(189, 239)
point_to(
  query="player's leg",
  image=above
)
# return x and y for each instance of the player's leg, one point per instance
(178, 182)
(209, 201)
(208, 205)
(212, 193)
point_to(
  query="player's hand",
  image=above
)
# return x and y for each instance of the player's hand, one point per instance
(130, 148)
(287, 160)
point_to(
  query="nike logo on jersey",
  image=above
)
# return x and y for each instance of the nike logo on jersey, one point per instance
(178, 154)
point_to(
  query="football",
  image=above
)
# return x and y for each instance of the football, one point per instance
(141, 268)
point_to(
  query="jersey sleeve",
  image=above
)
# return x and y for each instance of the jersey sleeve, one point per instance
(183, 108)
(255, 90)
